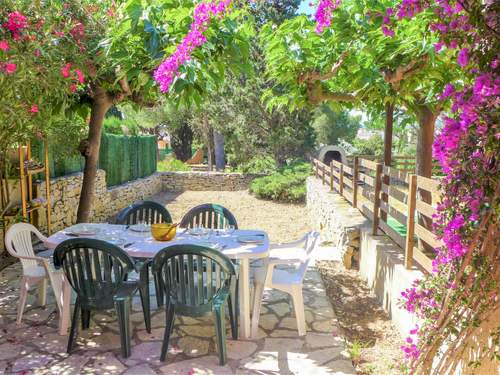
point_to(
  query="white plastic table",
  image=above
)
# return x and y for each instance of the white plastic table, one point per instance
(144, 246)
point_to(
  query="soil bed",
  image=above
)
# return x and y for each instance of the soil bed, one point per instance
(373, 341)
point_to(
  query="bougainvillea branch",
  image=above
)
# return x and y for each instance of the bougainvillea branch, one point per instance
(203, 13)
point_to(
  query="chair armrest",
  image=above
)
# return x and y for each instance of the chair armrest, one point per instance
(277, 262)
(286, 245)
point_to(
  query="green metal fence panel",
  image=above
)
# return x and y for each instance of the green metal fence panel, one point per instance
(124, 158)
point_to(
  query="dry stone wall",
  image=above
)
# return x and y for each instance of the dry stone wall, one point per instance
(214, 181)
(336, 219)
(65, 192)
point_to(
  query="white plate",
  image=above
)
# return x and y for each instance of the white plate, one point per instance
(112, 240)
(213, 245)
(83, 230)
(140, 228)
(251, 239)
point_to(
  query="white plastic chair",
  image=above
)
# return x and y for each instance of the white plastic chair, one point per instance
(296, 255)
(36, 270)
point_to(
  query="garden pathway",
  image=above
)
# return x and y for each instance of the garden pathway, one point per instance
(36, 348)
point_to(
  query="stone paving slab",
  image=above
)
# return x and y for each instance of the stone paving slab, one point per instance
(34, 347)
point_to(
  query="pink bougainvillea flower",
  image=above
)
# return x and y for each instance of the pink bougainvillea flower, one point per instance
(324, 14)
(4, 45)
(66, 70)
(438, 46)
(463, 57)
(387, 31)
(80, 76)
(34, 108)
(10, 68)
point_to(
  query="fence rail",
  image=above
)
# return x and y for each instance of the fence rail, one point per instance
(399, 204)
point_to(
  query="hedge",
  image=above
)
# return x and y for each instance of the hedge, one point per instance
(124, 158)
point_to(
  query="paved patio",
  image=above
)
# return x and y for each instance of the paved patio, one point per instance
(36, 348)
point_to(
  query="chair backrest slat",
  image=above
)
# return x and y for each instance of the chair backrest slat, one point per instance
(18, 241)
(144, 211)
(94, 281)
(209, 215)
(310, 244)
(192, 275)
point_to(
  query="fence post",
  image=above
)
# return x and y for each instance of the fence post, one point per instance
(376, 202)
(410, 221)
(315, 162)
(323, 172)
(331, 176)
(341, 180)
(355, 183)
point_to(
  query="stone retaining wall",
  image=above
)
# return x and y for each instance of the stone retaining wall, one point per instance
(65, 194)
(336, 219)
(215, 181)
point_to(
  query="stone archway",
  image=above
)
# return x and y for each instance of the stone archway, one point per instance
(328, 153)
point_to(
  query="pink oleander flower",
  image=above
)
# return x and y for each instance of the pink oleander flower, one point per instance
(10, 68)
(34, 108)
(73, 87)
(66, 70)
(80, 76)
(4, 45)
(16, 21)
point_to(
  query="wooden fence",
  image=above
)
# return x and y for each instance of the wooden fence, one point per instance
(398, 203)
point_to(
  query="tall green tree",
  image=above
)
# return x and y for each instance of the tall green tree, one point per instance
(331, 126)
(353, 64)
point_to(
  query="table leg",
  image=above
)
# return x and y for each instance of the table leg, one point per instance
(64, 318)
(244, 299)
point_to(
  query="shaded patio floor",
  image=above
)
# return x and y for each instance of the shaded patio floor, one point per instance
(36, 348)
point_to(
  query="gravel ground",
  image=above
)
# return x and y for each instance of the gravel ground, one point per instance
(282, 221)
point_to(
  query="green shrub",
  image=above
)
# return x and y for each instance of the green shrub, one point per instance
(172, 165)
(258, 164)
(285, 185)
(114, 125)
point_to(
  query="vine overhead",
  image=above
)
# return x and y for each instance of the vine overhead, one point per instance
(463, 289)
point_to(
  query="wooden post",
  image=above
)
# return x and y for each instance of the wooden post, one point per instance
(323, 172)
(376, 203)
(316, 174)
(22, 180)
(331, 176)
(355, 177)
(47, 185)
(410, 221)
(341, 180)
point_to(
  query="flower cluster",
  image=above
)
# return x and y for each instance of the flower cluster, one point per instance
(203, 12)
(323, 15)
(15, 23)
(76, 78)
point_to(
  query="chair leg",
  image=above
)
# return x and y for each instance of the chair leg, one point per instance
(257, 303)
(144, 293)
(23, 294)
(74, 326)
(169, 325)
(123, 311)
(220, 328)
(233, 308)
(85, 319)
(158, 291)
(42, 292)
(298, 305)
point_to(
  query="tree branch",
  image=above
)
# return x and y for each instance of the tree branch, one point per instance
(316, 95)
(394, 77)
(315, 75)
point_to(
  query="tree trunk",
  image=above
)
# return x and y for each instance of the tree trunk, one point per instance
(181, 141)
(389, 119)
(209, 137)
(220, 157)
(425, 139)
(101, 103)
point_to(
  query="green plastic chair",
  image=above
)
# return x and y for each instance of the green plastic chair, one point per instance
(97, 272)
(212, 216)
(148, 212)
(197, 280)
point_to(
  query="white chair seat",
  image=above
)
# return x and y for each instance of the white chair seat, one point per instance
(284, 270)
(36, 271)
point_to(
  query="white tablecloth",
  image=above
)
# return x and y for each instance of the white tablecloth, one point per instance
(143, 245)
